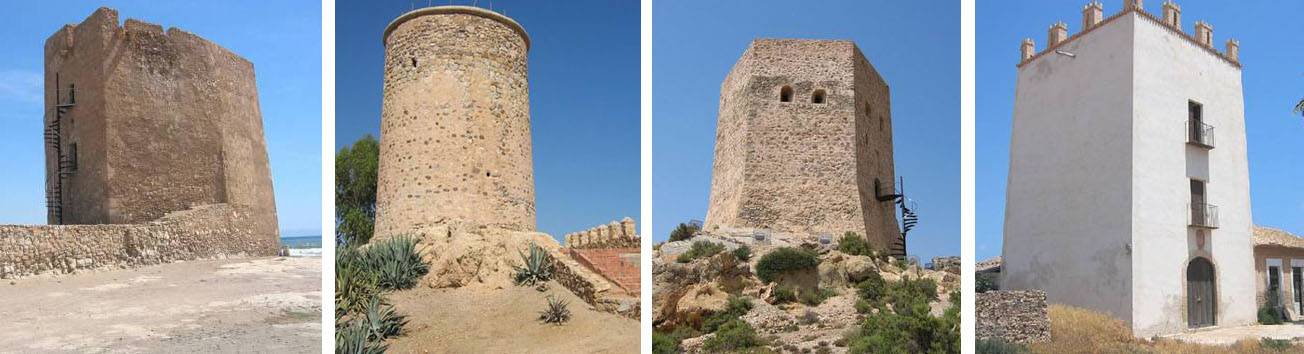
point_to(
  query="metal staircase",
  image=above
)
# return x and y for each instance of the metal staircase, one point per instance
(908, 217)
(54, 137)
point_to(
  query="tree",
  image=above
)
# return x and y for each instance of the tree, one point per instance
(355, 190)
(1299, 107)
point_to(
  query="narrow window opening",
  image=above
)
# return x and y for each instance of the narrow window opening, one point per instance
(785, 94)
(880, 124)
(72, 157)
(414, 62)
(817, 97)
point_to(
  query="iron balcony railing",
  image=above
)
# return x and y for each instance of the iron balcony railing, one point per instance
(1198, 133)
(1203, 215)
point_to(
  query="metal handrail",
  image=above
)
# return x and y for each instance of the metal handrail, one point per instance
(1202, 215)
(1201, 134)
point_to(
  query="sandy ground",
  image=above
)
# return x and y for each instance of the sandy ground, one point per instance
(263, 305)
(505, 321)
(1230, 335)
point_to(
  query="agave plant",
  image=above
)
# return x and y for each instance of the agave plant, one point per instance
(354, 284)
(557, 311)
(396, 263)
(538, 267)
(382, 321)
(352, 337)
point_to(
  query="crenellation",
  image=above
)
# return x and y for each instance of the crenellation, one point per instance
(615, 234)
(1092, 14)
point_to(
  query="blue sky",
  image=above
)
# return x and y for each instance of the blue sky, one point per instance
(584, 99)
(1272, 77)
(281, 38)
(915, 46)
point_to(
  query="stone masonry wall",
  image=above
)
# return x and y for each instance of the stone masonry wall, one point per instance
(801, 165)
(1018, 316)
(455, 122)
(209, 231)
(612, 235)
(174, 117)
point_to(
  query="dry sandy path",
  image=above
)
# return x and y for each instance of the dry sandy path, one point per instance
(1230, 335)
(261, 305)
(505, 321)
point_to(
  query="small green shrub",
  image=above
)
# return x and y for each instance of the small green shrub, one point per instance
(815, 298)
(683, 232)
(996, 345)
(899, 263)
(735, 307)
(863, 306)
(852, 244)
(782, 260)
(700, 249)
(538, 267)
(733, 335)
(1279, 345)
(396, 263)
(1271, 313)
(664, 343)
(984, 282)
(906, 294)
(558, 311)
(742, 254)
(872, 288)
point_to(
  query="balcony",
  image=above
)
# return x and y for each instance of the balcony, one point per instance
(1199, 134)
(1203, 215)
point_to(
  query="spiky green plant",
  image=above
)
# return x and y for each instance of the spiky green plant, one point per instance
(538, 267)
(352, 337)
(354, 284)
(382, 321)
(557, 311)
(396, 263)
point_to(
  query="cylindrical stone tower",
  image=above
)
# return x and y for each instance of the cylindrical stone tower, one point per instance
(455, 122)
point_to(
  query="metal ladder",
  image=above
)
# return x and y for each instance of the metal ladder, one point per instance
(54, 137)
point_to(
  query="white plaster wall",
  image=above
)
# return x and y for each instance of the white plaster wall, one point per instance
(1068, 206)
(1170, 71)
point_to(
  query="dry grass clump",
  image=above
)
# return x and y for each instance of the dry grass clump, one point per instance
(1076, 330)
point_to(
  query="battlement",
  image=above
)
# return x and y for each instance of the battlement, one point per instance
(623, 234)
(1202, 34)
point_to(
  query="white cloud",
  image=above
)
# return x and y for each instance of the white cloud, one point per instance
(20, 86)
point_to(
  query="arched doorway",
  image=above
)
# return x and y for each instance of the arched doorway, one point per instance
(1200, 291)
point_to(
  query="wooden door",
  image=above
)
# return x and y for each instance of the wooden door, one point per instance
(1200, 300)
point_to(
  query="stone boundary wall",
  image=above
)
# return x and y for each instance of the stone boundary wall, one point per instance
(203, 232)
(593, 288)
(621, 234)
(1017, 316)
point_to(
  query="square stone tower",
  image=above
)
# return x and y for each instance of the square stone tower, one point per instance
(1128, 185)
(804, 142)
(140, 122)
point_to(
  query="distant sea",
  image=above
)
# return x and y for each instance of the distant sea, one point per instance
(303, 246)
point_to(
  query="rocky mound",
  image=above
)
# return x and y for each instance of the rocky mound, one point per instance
(685, 294)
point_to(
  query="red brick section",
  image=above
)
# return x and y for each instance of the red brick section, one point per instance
(619, 265)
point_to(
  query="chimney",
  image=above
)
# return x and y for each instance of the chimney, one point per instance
(1234, 50)
(1027, 50)
(1204, 33)
(1058, 33)
(1091, 15)
(1129, 5)
(1173, 15)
